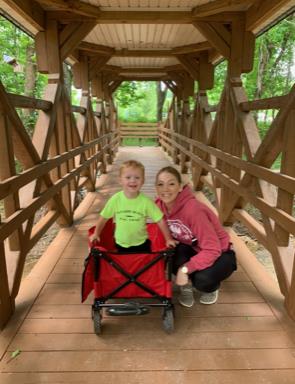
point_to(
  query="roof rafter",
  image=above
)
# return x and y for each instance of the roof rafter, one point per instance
(77, 7)
(139, 69)
(30, 10)
(212, 35)
(96, 48)
(262, 10)
(190, 65)
(74, 38)
(219, 6)
(143, 17)
(182, 50)
(143, 53)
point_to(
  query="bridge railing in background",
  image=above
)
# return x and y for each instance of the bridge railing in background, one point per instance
(227, 155)
(138, 133)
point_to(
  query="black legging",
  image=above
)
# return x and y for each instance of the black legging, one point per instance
(207, 280)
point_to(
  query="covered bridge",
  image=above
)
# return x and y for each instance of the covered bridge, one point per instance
(249, 335)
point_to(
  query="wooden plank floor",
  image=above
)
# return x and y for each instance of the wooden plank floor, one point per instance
(246, 337)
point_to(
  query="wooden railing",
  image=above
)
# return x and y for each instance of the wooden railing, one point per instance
(228, 156)
(70, 148)
(140, 131)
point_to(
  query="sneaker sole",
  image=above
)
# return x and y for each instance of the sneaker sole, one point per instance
(208, 303)
(186, 305)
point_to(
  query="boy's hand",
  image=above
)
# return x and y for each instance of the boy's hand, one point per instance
(171, 243)
(94, 238)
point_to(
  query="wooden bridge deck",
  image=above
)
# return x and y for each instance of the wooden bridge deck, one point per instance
(246, 337)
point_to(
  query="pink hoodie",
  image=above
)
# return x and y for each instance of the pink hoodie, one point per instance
(191, 220)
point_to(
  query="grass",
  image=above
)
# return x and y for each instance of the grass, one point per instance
(134, 142)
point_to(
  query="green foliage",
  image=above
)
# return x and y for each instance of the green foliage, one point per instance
(134, 142)
(14, 43)
(276, 46)
(219, 80)
(127, 94)
(140, 107)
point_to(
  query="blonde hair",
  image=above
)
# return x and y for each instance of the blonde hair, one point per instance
(131, 164)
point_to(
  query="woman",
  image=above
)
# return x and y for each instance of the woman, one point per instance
(204, 253)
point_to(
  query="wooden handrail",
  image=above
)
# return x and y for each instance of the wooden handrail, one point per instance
(14, 183)
(281, 217)
(20, 101)
(78, 109)
(280, 180)
(268, 103)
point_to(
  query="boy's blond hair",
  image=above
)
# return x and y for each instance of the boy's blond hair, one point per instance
(131, 164)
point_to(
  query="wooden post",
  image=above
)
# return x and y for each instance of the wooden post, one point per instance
(7, 169)
(6, 301)
(285, 200)
(202, 122)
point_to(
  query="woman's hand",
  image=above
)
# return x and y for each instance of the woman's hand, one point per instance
(181, 277)
(171, 243)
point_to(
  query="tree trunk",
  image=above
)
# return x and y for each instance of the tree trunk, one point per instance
(161, 95)
(262, 62)
(30, 71)
(68, 79)
(30, 83)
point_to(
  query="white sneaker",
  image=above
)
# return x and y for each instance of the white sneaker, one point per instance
(209, 297)
(186, 295)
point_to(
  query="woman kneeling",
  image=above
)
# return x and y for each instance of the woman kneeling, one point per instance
(204, 253)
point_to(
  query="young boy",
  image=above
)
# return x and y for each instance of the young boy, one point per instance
(130, 208)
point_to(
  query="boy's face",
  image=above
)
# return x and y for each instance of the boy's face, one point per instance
(131, 180)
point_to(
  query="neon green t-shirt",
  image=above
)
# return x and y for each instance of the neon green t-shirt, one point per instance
(130, 216)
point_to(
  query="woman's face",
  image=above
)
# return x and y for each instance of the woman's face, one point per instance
(168, 188)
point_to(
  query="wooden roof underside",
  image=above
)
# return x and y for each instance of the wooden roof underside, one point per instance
(144, 39)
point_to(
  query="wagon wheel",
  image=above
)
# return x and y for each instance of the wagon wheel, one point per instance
(168, 320)
(97, 322)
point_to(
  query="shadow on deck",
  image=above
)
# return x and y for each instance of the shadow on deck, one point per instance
(246, 337)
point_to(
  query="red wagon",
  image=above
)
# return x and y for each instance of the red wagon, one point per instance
(129, 277)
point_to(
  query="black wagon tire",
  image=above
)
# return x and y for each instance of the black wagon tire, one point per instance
(168, 321)
(97, 322)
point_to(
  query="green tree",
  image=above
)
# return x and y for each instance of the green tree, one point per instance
(18, 67)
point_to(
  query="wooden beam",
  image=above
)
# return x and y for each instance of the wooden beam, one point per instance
(29, 10)
(41, 52)
(6, 302)
(142, 78)
(173, 68)
(190, 65)
(143, 53)
(248, 51)
(190, 48)
(267, 103)
(236, 50)
(219, 6)
(142, 70)
(221, 29)
(213, 37)
(206, 72)
(20, 101)
(144, 17)
(96, 48)
(123, 17)
(262, 10)
(138, 17)
(97, 65)
(75, 38)
(77, 7)
(54, 63)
